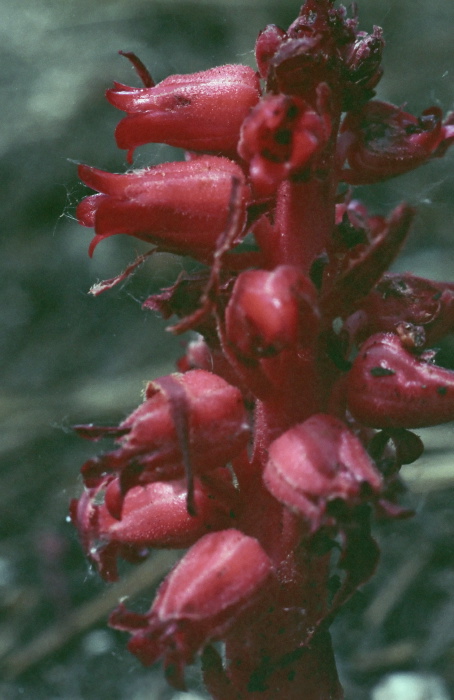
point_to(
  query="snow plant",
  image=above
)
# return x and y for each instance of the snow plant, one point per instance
(281, 436)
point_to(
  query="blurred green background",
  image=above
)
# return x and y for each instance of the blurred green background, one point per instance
(67, 357)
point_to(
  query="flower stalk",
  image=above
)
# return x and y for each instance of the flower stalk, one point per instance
(281, 437)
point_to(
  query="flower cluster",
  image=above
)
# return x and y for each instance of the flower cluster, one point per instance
(284, 431)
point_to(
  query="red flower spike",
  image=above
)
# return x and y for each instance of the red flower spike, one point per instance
(199, 111)
(316, 462)
(220, 577)
(152, 516)
(388, 387)
(150, 447)
(384, 141)
(271, 311)
(295, 282)
(180, 207)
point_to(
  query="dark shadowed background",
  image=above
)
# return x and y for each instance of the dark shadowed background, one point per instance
(67, 357)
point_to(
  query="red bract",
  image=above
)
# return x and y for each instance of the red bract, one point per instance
(180, 207)
(201, 111)
(289, 418)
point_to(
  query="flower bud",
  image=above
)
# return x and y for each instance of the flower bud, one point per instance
(182, 207)
(384, 141)
(271, 311)
(388, 387)
(199, 111)
(219, 578)
(361, 67)
(200, 405)
(152, 516)
(316, 462)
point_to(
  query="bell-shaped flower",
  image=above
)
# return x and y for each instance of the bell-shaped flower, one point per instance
(198, 112)
(381, 141)
(182, 207)
(389, 387)
(194, 420)
(152, 516)
(270, 311)
(316, 462)
(219, 579)
(280, 138)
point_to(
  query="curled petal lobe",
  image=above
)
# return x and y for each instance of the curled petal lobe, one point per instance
(318, 461)
(199, 111)
(182, 207)
(219, 578)
(389, 387)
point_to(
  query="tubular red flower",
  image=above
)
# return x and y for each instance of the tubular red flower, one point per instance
(199, 111)
(152, 516)
(316, 462)
(389, 387)
(382, 141)
(180, 207)
(220, 577)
